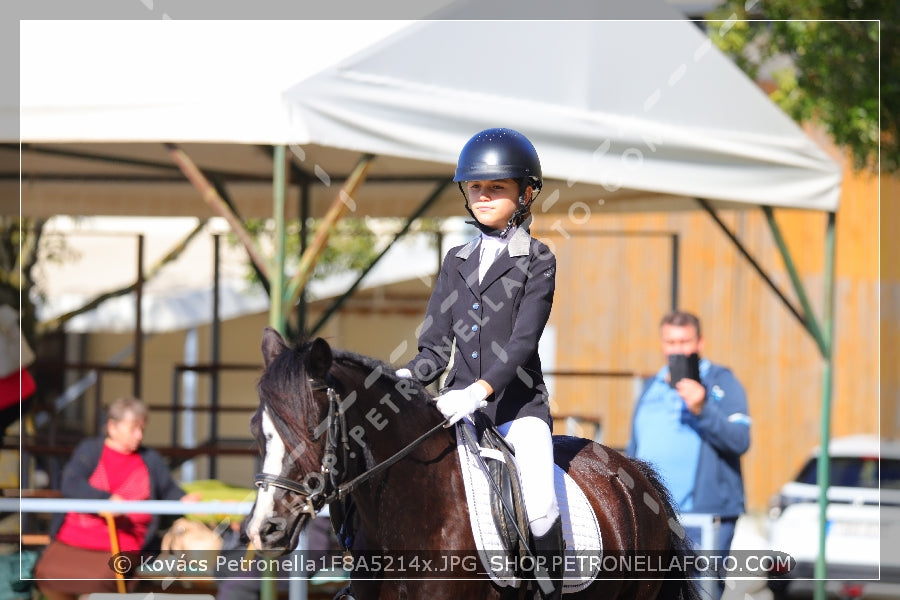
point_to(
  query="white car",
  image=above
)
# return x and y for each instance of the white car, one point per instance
(862, 555)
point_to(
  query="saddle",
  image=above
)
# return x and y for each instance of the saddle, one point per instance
(506, 500)
(497, 514)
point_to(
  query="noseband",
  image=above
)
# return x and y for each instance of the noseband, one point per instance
(327, 488)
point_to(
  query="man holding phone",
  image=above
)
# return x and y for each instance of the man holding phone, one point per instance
(691, 423)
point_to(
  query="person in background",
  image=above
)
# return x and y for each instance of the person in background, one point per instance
(78, 560)
(17, 386)
(695, 432)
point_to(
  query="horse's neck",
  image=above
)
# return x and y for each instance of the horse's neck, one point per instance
(382, 418)
(384, 421)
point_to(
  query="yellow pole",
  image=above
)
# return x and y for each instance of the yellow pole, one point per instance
(338, 206)
(114, 545)
(218, 205)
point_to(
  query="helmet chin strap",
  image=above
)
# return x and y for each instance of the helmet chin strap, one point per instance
(517, 217)
(520, 214)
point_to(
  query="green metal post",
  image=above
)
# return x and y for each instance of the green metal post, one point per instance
(812, 323)
(276, 292)
(305, 201)
(267, 589)
(824, 462)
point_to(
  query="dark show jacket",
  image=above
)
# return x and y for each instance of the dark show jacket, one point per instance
(496, 323)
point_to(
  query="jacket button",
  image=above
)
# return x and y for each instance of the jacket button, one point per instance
(475, 354)
(475, 306)
(474, 327)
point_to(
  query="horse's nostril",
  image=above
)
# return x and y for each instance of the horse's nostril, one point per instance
(272, 531)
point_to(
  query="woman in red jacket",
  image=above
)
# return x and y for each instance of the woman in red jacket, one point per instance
(117, 467)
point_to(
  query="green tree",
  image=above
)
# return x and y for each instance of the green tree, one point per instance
(823, 58)
(351, 245)
(20, 240)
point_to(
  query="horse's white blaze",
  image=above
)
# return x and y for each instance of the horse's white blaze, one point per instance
(265, 498)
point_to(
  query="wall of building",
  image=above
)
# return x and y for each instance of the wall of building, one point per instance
(612, 290)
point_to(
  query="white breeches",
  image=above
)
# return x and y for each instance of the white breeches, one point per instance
(533, 443)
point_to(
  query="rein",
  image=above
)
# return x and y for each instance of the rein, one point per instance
(336, 427)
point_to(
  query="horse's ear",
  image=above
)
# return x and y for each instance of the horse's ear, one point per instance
(318, 361)
(272, 345)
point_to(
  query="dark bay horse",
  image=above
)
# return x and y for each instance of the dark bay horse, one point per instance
(332, 424)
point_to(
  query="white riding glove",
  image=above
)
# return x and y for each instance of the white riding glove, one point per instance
(403, 373)
(456, 404)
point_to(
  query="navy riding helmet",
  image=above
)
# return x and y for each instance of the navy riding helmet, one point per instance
(500, 153)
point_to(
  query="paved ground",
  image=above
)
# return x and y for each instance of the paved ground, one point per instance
(750, 534)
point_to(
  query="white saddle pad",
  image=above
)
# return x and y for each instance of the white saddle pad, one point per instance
(581, 531)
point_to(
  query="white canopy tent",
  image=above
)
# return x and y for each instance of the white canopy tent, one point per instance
(626, 115)
(173, 81)
(634, 112)
(649, 106)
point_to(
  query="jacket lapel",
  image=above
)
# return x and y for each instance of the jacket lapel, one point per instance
(468, 268)
(519, 246)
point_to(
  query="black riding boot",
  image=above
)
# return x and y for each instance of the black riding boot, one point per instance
(550, 550)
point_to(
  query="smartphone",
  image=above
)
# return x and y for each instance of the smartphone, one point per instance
(683, 366)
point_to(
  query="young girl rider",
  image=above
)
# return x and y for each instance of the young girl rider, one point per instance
(493, 297)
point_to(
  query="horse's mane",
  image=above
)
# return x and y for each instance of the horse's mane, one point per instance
(386, 371)
(679, 586)
(284, 388)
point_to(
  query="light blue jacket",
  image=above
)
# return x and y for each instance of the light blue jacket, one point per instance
(724, 430)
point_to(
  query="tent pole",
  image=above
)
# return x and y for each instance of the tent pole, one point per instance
(824, 340)
(343, 298)
(138, 322)
(267, 590)
(277, 295)
(795, 279)
(824, 462)
(215, 354)
(753, 263)
(339, 205)
(675, 264)
(305, 198)
(214, 201)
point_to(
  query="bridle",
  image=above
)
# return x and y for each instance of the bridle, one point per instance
(328, 489)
